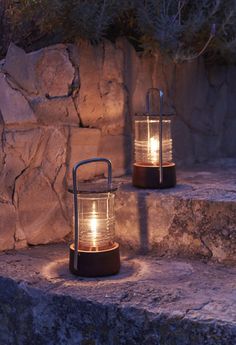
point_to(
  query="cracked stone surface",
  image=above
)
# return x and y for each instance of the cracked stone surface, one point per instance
(14, 107)
(102, 99)
(21, 68)
(197, 218)
(20, 147)
(39, 209)
(7, 224)
(151, 301)
(84, 143)
(59, 109)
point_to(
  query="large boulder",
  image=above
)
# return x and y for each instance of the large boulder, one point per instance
(47, 71)
(54, 72)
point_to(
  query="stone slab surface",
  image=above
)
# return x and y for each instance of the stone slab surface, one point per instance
(196, 218)
(151, 301)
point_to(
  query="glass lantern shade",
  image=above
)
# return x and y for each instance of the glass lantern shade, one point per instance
(96, 221)
(153, 162)
(94, 251)
(146, 143)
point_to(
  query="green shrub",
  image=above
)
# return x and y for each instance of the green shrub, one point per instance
(180, 29)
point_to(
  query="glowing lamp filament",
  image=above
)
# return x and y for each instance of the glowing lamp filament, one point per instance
(93, 226)
(154, 149)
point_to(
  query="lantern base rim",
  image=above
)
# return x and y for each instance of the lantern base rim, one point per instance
(95, 263)
(147, 176)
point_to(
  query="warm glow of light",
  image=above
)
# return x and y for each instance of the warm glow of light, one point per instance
(154, 149)
(93, 225)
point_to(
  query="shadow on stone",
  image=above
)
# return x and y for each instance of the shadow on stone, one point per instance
(143, 223)
(59, 270)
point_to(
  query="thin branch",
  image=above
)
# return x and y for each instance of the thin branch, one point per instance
(181, 5)
(212, 35)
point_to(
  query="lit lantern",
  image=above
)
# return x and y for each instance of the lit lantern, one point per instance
(94, 252)
(153, 166)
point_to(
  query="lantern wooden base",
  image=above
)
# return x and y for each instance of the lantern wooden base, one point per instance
(147, 176)
(96, 263)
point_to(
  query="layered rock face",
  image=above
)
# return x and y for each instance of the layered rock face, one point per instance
(150, 302)
(65, 103)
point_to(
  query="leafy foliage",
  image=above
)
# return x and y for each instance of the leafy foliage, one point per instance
(181, 29)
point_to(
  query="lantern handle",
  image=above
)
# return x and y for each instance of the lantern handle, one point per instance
(75, 192)
(148, 102)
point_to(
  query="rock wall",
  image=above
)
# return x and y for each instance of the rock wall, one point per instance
(65, 103)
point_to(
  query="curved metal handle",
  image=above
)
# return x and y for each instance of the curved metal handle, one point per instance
(148, 99)
(75, 192)
(148, 102)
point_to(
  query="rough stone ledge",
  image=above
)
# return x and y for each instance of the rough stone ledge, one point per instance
(151, 301)
(196, 218)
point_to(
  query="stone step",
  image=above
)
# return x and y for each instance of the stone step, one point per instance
(150, 302)
(197, 218)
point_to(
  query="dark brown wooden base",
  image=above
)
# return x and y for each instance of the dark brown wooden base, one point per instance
(96, 264)
(148, 176)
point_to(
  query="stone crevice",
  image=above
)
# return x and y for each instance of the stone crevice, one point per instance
(55, 97)
(15, 201)
(197, 308)
(3, 142)
(52, 183)
(20, 90)
(210, 253)
(75, 85)
(14, 186)
(17, 87)
(77, 110)
(14, 85)
(61, 202)
(3, 201)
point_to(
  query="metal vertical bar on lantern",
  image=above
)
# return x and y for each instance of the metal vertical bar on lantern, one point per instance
(94, 252)
(153, 165)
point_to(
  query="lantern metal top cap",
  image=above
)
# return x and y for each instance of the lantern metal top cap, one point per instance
(150, 109)
(154, 114)
(94, 188)
(89, 188)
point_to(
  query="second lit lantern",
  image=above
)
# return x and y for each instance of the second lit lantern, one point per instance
(153, 162)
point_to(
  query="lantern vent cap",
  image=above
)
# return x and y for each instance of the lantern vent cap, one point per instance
(165, 114)
(157, 104)
(94, 188)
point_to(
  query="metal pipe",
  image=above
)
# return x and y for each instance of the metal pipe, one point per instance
(148, 108)
(160, 139)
